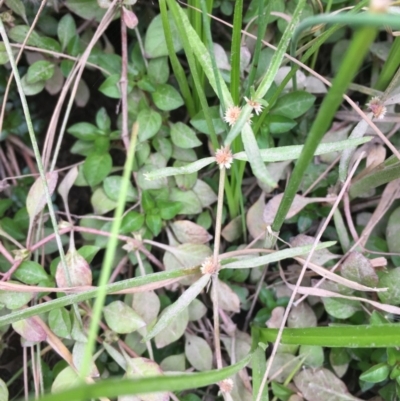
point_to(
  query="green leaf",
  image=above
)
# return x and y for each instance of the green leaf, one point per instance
(18, 7)
(101, 203)
(190, 201)
(294, 104)
(132, 222)
(111, 88)
(363, 336)
(168, 209)
(32, 89)
(158, 70)
(376, 373)
(60, 322)
(112, 187)
(112, 388)
(393, 235)
(84, 131)
(170, 313)
(121, 318)
(167, 98)
(88, 252)
(199, 121)
(391, 281)
(13, 299)
(66, 30)
(275, 256)
(149, 124)
(89, 294)
(18, 34)
(96, 167)
(41, 70)
(279, 124)
(198, 352)
(30, 272)
(86, 9)
(4, 205)
(183, 136)
(154, 223)
(3, 391)
(155, 44)
(148, 203)
(103, 121)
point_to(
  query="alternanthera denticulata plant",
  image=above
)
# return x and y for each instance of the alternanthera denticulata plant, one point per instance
(214, 125)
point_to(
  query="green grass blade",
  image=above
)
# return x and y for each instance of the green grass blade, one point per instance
(269, 77)
(201, 53)
(199, 85)
(355, 20)
(258, 365)
(109, 256)
(365, 336)
(294, 151)
(276, 256)
(262, 21)
(390, 67)
(85, 296)
(179, 73)
(235, 51)
(376, 178)
(113, 388)
(210, 46)
(254, 157)
(188, 169)
(349, 67)
(178, 306)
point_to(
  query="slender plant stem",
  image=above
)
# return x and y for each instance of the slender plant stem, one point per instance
(109, 256)
(35, 147)
(124, 83)
(301, 276)
(21, 50)
(351, 62)
(217, 242)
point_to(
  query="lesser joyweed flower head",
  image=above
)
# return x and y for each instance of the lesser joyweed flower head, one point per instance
(224, 157)
(377, 107)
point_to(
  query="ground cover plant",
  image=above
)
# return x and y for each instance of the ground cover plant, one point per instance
(199, 201)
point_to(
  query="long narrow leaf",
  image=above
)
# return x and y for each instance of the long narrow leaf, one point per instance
(269, 77)
(183, 302)
(276, 256)
(112, 388)
(84, 296)
(254, 157)
(350, 65)
(365, 336)
(179, 73)
(188, 169)
(293, 152)
(204, 58)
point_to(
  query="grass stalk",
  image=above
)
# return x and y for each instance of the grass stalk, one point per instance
(262, 23)
(193, 68)
(109, 256)
(35, 147)
(177, 68)
(349, 67)
(235, 51)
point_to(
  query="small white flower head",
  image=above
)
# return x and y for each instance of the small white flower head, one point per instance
(377, 107)
(379, 6)
(255, 105)
(224, 157)
(209, 267)
(226, 386)
(232, 114)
